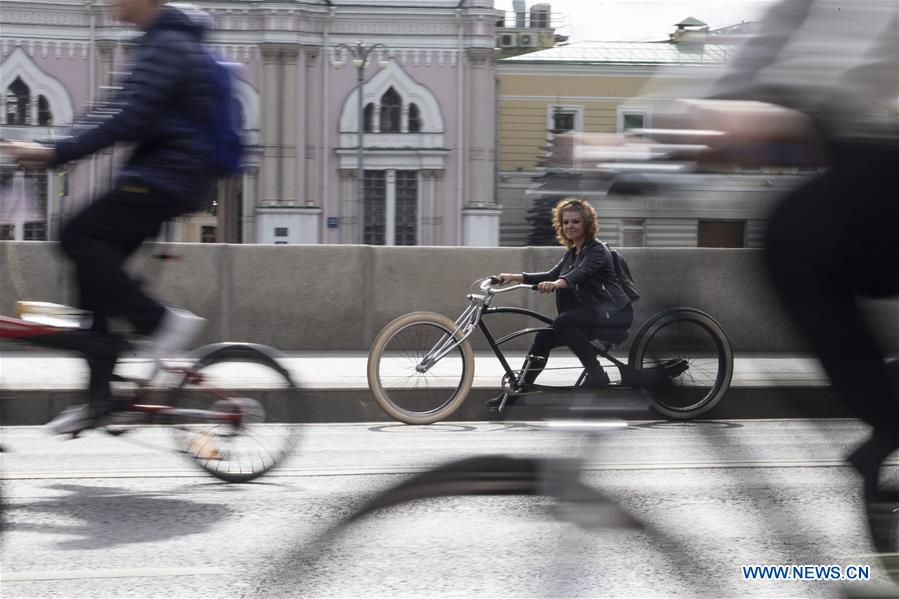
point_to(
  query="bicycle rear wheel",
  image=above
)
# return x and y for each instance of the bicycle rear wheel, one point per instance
(394, 363)
(261, 402)
(689, 358)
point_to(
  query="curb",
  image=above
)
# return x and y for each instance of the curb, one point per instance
(38, 406)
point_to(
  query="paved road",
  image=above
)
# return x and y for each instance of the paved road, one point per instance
(105, 517)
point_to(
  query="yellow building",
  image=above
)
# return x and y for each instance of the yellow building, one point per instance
(602, 87)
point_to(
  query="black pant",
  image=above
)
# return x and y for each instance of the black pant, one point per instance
(100, 238)
(829, 243)
(576, 328)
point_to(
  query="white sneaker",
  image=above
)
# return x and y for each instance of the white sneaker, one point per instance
(72, 420)
(175, 332)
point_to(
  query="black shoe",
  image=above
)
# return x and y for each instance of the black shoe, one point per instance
(494, 402)
(597, 380)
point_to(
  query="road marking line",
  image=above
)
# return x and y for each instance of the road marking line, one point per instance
(360, 471)
(108, 573)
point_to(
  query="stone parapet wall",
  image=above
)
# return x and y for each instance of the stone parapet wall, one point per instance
(329, 297)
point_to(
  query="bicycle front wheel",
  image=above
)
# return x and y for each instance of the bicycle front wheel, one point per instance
(408, 388)
(689, 359)
(234, 414)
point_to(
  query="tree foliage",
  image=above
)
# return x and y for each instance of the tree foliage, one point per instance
(539, 217)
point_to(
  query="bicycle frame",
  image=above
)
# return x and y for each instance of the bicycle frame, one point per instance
(473, 318)
(106, 349)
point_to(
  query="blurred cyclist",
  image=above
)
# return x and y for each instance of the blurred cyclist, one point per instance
(164, 101)
(833, 69)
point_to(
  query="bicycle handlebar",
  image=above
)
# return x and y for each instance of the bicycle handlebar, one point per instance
(490, 281)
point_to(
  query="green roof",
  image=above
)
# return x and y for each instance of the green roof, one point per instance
(691, 22)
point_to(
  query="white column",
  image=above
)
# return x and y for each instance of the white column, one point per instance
(348, 206)
(271, 138)
(426, 199)
(437, 210)
(52, 212)
(390, 208)
(32, 110)
(375, 117)
(480, 128)
(288, 125)
(404, 118)
(106, 157)
(312, 123)
(250, 175)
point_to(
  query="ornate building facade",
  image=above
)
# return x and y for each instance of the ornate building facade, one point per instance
(427, 116)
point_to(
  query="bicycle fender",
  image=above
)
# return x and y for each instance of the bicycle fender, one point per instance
(231, 349)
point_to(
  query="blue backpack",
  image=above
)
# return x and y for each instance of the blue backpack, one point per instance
(222, 137)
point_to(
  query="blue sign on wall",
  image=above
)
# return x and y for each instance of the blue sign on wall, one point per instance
(333, 222)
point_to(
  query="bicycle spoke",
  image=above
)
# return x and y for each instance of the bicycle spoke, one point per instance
(406, 387)
(237, 451)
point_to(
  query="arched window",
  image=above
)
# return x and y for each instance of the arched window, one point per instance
(18, 103)
(414, 119)
(390, 111)
(44, 116)
(368, 118)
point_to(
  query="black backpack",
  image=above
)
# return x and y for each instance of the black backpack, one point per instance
(625, 280)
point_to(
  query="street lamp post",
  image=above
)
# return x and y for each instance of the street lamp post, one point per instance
(360, 54)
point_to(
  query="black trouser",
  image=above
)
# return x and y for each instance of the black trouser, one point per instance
(576, 328)
(829, 243)
(100, 238)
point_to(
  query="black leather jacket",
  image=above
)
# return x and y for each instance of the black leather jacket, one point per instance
(593, 279)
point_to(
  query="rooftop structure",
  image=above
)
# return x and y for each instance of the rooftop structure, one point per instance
(647, 53)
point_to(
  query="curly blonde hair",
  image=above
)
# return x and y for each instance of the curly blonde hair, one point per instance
(573, 204)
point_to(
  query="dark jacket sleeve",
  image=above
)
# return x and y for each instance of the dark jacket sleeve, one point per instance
(532, 278)
(158, 73)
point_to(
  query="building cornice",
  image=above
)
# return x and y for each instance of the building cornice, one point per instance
(568, 69)
(273, 22)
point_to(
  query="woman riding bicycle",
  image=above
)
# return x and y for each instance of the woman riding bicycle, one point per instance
(589, 300)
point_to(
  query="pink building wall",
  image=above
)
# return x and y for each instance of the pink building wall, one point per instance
(242, 30)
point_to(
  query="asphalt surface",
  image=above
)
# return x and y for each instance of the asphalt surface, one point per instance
(128, 517)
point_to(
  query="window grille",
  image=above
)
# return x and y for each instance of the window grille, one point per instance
(375, 206)
(406, 231)
(414, 119)
(391, 104)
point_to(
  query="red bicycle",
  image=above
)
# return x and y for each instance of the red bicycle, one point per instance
(218, 403)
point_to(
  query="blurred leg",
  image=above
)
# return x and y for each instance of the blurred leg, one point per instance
(99, 240)
(829, 242)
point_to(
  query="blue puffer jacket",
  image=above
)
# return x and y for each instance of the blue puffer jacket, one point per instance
(164, 102)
